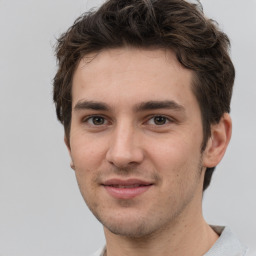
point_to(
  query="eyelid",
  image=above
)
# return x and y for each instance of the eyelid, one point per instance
(168, 119)
(87, 118)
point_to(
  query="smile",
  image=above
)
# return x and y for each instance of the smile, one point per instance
(128, 186)
(126, 189)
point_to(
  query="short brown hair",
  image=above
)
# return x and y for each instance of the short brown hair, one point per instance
(177, 25)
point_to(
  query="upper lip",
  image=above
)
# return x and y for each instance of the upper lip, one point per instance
(127, 182)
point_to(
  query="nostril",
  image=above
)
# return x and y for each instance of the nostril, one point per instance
(123, 159)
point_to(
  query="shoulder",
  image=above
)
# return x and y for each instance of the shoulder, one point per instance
(99, 252)
(227, 244)
(251, 253)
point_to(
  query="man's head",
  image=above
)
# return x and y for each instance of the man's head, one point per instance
(173, 25)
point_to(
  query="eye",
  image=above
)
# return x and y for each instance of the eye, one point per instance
(158, 120)
(96, 120)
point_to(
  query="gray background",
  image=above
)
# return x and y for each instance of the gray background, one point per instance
(41, 210)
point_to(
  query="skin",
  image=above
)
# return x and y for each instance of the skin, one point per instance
(116, 133)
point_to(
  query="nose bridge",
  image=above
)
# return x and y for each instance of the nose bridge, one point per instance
(124, 146)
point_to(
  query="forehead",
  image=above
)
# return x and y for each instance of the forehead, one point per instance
(129, 74)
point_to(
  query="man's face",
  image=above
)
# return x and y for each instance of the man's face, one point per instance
(135, 140)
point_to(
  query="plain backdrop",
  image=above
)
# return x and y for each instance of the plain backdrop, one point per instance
(41, 210)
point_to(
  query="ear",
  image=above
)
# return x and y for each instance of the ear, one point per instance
(218, 142)
(66, 140)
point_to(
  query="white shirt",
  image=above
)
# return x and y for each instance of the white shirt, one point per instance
(227, 244)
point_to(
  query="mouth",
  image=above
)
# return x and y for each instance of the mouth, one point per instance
(128, 186)
(126, 189)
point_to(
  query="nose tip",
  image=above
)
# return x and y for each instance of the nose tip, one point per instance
(121, 160)
(124, 151)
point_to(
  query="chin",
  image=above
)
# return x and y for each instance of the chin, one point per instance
(129, 226)
(128, 230)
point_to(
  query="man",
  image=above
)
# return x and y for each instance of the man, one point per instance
(143, 90)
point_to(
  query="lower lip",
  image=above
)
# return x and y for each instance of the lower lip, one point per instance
(126, 193)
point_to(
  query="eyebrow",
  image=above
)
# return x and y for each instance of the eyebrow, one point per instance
(144, 106)
(167, 104)
(94, 105)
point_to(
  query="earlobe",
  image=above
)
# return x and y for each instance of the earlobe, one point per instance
(69, 151)
(218, 142)
(72, 166)
(66, 140)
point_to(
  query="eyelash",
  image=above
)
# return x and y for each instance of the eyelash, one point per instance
(87, 120)
(166, 120)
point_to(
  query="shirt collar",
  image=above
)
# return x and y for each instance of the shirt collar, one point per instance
(227, 244)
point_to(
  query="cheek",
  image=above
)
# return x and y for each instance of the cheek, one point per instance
(177, 160)
(86, 157)
(174, 151)
(87, 152)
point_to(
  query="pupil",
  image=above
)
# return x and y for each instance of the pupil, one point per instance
(160, 120)
(98, 120)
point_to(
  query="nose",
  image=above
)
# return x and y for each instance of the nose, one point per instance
(124, 149)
